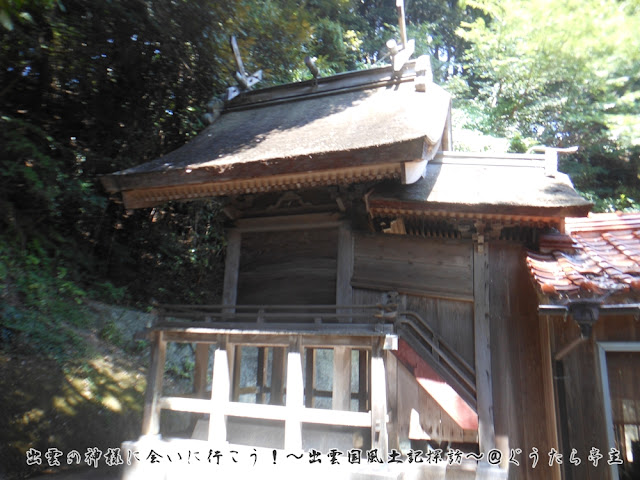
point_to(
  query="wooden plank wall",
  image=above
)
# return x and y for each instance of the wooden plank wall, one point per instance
(288, 267)
(520, 411)
(581, 416)
(414, 265)
(434, 278)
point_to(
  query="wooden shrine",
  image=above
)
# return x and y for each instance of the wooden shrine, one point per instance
(376, 290)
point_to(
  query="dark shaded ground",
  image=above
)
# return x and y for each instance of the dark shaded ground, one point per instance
(91, 402)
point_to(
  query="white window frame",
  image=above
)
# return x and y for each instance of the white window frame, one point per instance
(603, 348)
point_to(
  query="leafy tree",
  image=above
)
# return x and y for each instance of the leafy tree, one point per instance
(562, 74)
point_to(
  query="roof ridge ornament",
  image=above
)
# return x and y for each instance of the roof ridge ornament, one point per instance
(400, 56)
(245, 82)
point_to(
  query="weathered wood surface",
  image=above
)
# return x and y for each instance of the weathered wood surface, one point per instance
(288, 267)
(389, 262)
(232, 262)
(451, 320)
(482, 342)
(520, 411)
(344, 292)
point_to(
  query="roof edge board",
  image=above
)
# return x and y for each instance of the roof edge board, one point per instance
(149, 197)
(383, 208)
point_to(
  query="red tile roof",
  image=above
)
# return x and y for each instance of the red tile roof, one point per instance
(598, 256)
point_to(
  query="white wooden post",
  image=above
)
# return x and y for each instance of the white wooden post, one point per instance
(151, 419)
(220, 388)
(341, 396)
(295, 396)
(379, 436)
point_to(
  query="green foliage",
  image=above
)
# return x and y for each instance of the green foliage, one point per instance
(39, 303)
(112, 334)
(562, 74)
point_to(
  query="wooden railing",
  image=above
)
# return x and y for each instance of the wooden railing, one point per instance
(454, 369)
(293, 327)
(371, 328)
(304, 316)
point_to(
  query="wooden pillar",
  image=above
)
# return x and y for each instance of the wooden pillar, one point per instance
(379, 436)
(277, 376)
(151, 419)
(232, 262)
(363, 381)
(295, 397)
(341, 396)
(220, 387)
(310, 377)
(344, 270)
(549, 394)
(391, 368)
(200, 370)
(482, 341)
(231, 268)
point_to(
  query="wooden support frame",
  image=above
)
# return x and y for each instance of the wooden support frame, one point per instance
(482, 341)
(288, 222)
(293, 413)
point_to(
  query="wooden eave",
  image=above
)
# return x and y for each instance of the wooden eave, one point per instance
(484, 187)
(353, 128)
(145, 190)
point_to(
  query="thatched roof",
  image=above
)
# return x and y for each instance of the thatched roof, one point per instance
(354, 127)
(459, 184)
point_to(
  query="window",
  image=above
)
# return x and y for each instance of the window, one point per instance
(620, 369)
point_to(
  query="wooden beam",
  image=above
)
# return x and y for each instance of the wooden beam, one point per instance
(379, 436)
(262, 338)
(231, 267)
(220, 389)
(151, 418)
(482, 343)
(200, 369)
(289, 222)
(295, 397)
(341, 396)
(268, 412)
